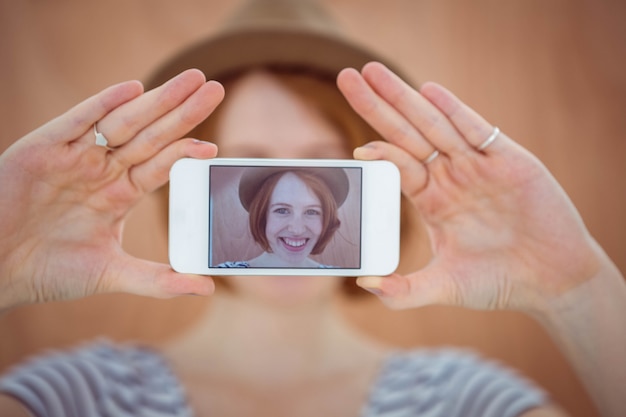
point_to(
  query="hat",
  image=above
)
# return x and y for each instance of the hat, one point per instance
(253, 178)
(266, 33)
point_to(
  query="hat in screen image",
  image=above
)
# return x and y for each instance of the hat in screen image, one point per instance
(335, 178)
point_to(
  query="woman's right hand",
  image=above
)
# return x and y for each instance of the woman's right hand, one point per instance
(64, 199)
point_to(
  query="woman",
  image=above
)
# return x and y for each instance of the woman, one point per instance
(274, 345)
(292, 214)
(504, 235)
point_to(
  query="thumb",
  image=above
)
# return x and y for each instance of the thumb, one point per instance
(142, 277)
(424, 287)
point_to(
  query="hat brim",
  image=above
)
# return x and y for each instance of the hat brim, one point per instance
(252, 179)
(236, 51)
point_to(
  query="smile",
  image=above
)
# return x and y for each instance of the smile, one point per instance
(294, 243)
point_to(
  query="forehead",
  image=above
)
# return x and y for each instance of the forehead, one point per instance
(263, 118)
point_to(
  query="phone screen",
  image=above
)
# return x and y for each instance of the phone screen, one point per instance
(285, 217)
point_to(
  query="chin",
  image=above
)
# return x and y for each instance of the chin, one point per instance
(288, 290)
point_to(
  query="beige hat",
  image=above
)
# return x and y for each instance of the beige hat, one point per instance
(265, 33)
(253, 178)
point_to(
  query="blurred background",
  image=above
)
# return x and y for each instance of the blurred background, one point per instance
(550, 73)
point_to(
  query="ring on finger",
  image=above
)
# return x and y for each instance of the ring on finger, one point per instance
(101, 140)
(490, 139)
(431, 157)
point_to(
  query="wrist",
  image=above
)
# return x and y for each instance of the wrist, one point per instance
(12, 294)
(573, 284)
(8, 300)
(588, 323)
(599, 288)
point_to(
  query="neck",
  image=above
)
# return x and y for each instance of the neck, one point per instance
(267, 259)
(256, 342)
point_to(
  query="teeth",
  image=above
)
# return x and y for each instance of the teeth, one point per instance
(296, 243)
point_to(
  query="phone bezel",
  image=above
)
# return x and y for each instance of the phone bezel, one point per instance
(189, 216)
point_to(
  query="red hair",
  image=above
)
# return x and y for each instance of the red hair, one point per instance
(259, 208)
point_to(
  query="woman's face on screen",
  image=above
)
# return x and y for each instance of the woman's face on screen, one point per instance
(294, 220)
(263, 119)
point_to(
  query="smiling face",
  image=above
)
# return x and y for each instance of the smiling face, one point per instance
(294, 220)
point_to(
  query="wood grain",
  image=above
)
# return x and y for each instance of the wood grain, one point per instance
(550, 73)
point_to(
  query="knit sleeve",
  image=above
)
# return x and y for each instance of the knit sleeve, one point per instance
(450, 383)
(99, 379)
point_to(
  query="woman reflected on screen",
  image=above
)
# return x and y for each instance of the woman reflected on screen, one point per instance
(292, 214)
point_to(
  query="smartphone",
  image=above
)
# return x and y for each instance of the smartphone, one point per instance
(284, 217)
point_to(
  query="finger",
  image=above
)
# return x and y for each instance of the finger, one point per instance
(153, 173)
(172, 126)
(142, 277)
(422, 288)
(413, 174)
(474, 128)
(381, 116)
(123, 123)
(81, 118)
(422, 114)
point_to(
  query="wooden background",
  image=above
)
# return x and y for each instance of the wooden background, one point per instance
(550, 73)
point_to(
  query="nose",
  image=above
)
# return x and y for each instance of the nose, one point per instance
(296, 225)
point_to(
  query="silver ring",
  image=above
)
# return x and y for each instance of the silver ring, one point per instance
(101, 140)
(431, 157)
(490, 139)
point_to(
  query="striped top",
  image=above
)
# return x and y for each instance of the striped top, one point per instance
(104, 379)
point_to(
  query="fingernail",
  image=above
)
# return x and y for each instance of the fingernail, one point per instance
(371, 284)
(375, 291)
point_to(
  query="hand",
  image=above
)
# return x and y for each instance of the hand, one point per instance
(64, 200)
(503, 232)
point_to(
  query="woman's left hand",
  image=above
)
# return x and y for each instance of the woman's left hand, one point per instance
(504, 234)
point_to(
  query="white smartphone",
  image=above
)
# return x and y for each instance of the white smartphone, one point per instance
(284, 217)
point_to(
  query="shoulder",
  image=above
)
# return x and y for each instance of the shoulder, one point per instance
(233, 264)
(451, 382)
(97, 379)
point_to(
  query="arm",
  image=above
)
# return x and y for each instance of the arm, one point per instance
(549, 411)
(504, 234)
(64, 200)
(10, 407)
(588, 325)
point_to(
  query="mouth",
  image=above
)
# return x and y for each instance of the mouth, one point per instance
(294, 244)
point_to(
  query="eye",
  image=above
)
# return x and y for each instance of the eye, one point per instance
(313, 212)
(281, 210)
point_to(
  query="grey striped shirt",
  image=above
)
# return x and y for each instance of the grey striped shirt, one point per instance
(103, 379)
